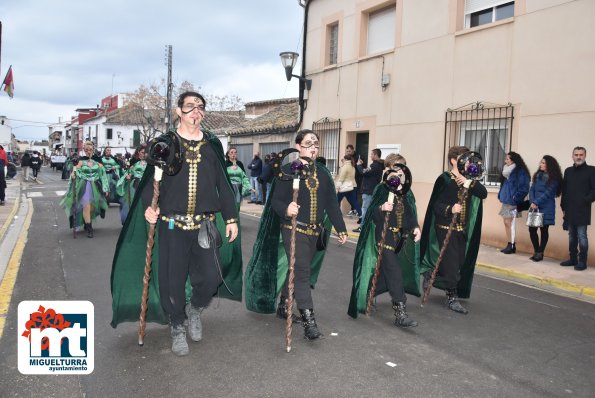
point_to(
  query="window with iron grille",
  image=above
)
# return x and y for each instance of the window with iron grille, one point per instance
(109, 134)
(328, 131)
(481, 12)
(333, 43)
(484, 128)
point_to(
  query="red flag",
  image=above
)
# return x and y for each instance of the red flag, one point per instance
(9, 83)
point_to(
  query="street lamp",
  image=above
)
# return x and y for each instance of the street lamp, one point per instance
(288, 59)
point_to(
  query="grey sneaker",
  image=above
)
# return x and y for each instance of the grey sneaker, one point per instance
(454, 304)
(194, 322)
(179, 345)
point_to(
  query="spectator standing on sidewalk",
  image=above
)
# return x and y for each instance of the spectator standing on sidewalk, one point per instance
(35, 162)
(255, 170)
(371, 176)
(547, 185)
(25, 164)
(266, 177)
(514, 187)
(346, 185)
(350, 150)
(578, 193)
(3, 165)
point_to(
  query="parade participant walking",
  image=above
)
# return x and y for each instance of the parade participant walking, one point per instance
(88, 188)
(68, 165)
(196, 206)
(35, 164)
(546, 187)
(113, 171)
(267, 272)
(578, 193)
(128, 184)
(239, 180)
(399, 262)
(455, 274)
(514, 187)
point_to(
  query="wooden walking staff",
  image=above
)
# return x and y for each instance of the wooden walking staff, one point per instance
(159, 153)
(392, 182)
(296, 167)
(470, 165)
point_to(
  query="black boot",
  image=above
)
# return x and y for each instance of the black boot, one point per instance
(537, 256)
(282, 310)
(311, 331)
(401, 317)
(511, 248)
(570, 262)
(426, 281)
(89, 229)
(453, 302)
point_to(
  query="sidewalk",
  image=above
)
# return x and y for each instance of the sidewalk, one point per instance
(547, 274)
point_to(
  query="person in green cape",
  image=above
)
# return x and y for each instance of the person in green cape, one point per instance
(194, 194)
(267, 270)
(113, 171)
(85, 198)
(399, 267)
(128, 183)
(455, 274)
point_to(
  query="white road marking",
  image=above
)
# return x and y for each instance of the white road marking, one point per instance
(34, 194)
(60, 193)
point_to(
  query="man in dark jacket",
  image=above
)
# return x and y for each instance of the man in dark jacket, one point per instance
(371, 176)
(35, 164)
(578, 192)
(255, 171)
(266, 177)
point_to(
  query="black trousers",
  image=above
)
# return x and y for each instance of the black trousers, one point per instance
(2, 183)
(539, 247)
(305, 248)
(391, 277)
(181, 257)
(454, 257)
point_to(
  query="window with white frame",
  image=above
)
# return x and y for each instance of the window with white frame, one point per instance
(481, 12)
(381, 29)
(333, 43)
(490, 138)
(485, 128)
(328, 131)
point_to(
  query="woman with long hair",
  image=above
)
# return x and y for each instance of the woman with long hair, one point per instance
(237, 174)
(514, 187)
(88, 189)
(128, 183)
(345, 183)
(546, 187)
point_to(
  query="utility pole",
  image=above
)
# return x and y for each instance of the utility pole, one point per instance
(170, 87)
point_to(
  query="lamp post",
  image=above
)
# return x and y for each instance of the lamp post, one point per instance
(289, 59)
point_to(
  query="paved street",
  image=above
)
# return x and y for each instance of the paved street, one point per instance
(517, 341)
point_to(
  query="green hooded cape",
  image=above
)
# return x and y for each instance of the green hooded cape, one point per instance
(129, 259)
(430, 249)
(366, 254)
(267, 269)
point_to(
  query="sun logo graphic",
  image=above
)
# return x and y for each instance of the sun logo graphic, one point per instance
(56, 337)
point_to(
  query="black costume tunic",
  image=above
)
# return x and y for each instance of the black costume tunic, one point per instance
(454, 257)
(316, 199)
(198, 190)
